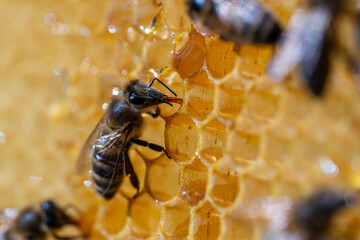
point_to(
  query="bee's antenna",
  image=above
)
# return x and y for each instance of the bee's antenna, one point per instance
(152, 81)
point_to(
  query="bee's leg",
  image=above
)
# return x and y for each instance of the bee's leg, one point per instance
(156, 113)
(73, 207)
(129, 170)
(68, 238)
(152, 146)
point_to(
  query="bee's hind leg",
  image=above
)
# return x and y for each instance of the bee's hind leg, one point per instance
(152, 146)
(68, 238)
(129, 170)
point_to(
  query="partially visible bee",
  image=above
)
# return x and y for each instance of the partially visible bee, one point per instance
(108, 145)
(311, 218)
(36, 222)
(239, 21)
(307, 43)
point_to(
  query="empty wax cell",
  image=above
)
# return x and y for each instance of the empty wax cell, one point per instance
(112, 214)
(175, 15)
(144, 12)
(157, 53)
(163, 178)
(118, 15)
(144, 216)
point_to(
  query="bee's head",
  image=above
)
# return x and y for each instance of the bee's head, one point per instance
(29, 220)
(141, 96)
(54, 216)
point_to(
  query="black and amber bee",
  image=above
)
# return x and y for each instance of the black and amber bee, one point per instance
(307, 43)
(108, 145)
(38, 221)
(239, 21)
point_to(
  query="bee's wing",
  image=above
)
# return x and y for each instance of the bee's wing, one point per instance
(301, 43)
(83, 162)
(120, 139)
(7, 217)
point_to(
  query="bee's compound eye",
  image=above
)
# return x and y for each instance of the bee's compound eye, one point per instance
(197, 5)
(137, 100)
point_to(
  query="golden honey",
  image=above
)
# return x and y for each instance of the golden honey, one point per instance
(238, 138)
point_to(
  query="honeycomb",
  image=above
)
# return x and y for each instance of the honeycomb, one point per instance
(240, 143)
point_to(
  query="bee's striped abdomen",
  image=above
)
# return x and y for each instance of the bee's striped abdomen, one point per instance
(103, 169)
(239, 21)
(247, 21)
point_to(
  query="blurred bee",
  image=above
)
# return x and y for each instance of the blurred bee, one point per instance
(307, 42)
(311, 218)
(36, 222)
(239, 21)
(108, 145)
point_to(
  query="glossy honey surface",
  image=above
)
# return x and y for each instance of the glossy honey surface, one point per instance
(238, 139)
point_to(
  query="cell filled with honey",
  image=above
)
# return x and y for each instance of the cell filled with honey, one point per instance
(190, 53)
(183, 132)
(238, 141)
(205, 222)
(221, 58)
(200, 95)
(212, 139)
(193, 181)
(230, 96)
(263, 101)
(224, 182)
(175, 219)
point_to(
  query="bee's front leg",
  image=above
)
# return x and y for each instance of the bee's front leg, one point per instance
(156, 114)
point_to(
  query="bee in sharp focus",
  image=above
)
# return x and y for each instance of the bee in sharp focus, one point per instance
(307, 43)
(108, 145)
(239, 21)
(37, 221)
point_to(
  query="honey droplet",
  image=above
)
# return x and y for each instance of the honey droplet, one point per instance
(190, 58)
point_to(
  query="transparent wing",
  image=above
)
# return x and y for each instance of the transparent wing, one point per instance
(83, 162)
(7, 217)
(120, 139)
(301, 43)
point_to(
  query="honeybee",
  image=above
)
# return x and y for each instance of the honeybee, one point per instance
(311, 218)
(239, 21)
(108, 145)
(37, 221)
(306, 43)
